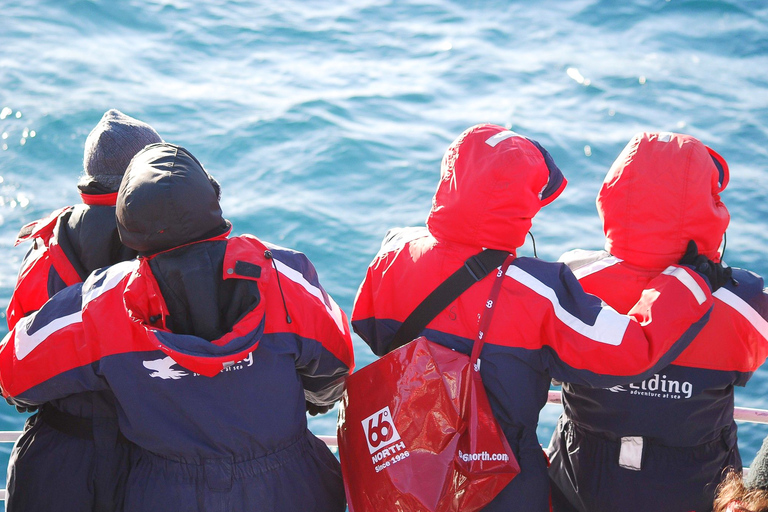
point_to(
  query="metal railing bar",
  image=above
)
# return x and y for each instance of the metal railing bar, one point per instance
(739, 414)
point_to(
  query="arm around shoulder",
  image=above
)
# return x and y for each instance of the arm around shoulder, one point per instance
(600, 347)
(46, 355)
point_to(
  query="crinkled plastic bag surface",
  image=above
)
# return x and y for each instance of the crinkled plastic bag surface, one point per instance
(416, 433)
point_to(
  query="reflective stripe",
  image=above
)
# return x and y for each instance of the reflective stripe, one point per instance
(403, 236)
(684, 277)
(506, 134)
(609, 326)
(294, 275)
(109, 277)
(26, 343)
(744, 309)
(596, 266)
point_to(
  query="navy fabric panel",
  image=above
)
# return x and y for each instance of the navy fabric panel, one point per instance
(560, 278)
(80, 404)
(378, 333)
(517, 386)
(77, 380)
(679, 406)
(299, 262)
(99, 276)
(181, 415)
(188, 344)
(529, 490)
(50, 470)
(259, 403)
(322, 373)
(304, 476)
(585, 469)
(55, 282)
(750, 289)
(67, 302)
(556, 177)
(720, 171)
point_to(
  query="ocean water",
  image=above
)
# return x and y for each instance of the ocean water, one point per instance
(325, 122)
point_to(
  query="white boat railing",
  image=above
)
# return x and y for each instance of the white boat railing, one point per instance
(745, 414)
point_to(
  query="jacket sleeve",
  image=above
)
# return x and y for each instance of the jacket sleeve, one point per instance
(587, 342)
(31, 290)
(44, 270)
(364, 321)
(46, 355)
(376, 329)
(325, 355)
(740, 317)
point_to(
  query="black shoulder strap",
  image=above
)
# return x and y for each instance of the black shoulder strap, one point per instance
(473, 270)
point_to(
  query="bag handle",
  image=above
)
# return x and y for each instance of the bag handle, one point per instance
(475, 268)
(487, 315)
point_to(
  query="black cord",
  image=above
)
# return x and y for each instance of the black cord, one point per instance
(533, 240)
(268, 255)
(725, 242)
(722, 258)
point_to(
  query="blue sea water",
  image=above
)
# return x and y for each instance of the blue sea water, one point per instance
(325, 121)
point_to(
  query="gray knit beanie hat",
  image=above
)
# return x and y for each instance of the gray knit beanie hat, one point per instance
(757, 478)
(110, 147)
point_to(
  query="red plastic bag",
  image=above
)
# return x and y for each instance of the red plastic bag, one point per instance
(416, 433)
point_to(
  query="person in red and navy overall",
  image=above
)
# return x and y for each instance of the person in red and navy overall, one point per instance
(661, 443)
(493, 181)
(67, 458)
(215, 347)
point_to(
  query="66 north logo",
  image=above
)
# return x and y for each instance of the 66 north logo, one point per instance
(380, 430)
(383, 440)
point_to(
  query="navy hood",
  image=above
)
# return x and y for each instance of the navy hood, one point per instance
(167, 199)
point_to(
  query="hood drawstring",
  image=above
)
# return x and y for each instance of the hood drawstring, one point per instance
(722, 257)
(268, 255)
(533, 241)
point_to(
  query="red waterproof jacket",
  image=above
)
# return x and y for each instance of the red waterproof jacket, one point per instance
(661, 192)
(222, 422)
(66, 246)
(493, 181)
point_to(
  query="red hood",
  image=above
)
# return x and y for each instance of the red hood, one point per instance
(662, 191)
(492, 182)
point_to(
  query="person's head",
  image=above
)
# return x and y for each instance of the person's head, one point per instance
(736, 495)
(492, 183)
(749, 494)
(166, 200)
(109, 148)
(662, 191)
